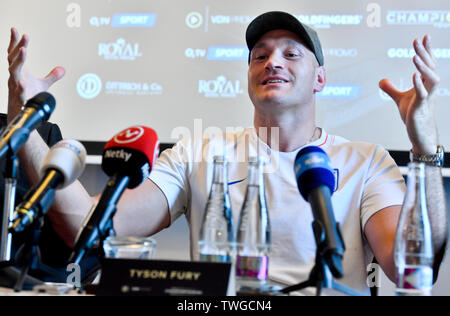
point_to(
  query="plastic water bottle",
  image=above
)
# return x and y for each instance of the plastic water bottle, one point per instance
(253, 236)
(413, 242)
(216, 240)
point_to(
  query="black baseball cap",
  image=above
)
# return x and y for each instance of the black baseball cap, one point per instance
(275, 20)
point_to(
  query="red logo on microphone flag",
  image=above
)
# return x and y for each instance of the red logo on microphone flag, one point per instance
(141, 138)
(129, 135)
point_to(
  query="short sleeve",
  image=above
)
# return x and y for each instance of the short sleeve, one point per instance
(170, 174)
(50, 133)
(384, 185)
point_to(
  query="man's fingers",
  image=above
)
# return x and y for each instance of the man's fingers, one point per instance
(13, 54)
(424, 54)
(14, 39)
(15, 68)
(388, 87)
(427, 44)
(428, 75)
(421, 90)
(54, 75)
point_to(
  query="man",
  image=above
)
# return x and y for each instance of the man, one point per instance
(285, 72)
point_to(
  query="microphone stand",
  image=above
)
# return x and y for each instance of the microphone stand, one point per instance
(8, 273)
(9, 151)
(90, 275)
(10, 176)
(28, 256)
(321, 276)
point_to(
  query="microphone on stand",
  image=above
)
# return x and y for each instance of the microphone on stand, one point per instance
(63, 164)
(36, 111)
(127, 158)
(315, 181)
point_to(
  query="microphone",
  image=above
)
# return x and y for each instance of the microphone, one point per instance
(315, 181)
(127, 159)
(36, 111)
(63, 164)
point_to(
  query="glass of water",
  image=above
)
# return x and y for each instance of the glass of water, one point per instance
(129, 247)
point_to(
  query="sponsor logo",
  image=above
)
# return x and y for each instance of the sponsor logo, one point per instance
(99, 21)
(326, 21)
(134, 20)
(227, 53)
(194, 20)
(316, 20)
(220, 88)
(195, 53)
(438, 53)
(124, 20)
(117, 154)
(89, 86)
(341, 52)
(69, 145)
(314, 160)
(129, 135)
(218, 53)
(236, 182)
(438, 19)
(119, 50)
(340, 92)
(132, 88)
(229, 19)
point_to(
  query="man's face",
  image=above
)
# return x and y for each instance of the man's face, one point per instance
(283, 71)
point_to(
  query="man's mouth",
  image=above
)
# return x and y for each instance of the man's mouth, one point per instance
(274, 81)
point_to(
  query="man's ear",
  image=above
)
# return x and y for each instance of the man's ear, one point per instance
(321, 79)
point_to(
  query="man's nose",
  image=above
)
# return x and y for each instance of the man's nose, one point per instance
(273, 62)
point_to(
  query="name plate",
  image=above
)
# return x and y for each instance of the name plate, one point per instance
(163, 278)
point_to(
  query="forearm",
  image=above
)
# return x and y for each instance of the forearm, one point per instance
(71, 204)
(143, 211)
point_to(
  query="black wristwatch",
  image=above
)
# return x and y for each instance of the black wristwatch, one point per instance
(436, 160)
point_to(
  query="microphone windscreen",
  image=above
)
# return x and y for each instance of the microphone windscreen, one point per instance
(132, 153)
(68, 157)
(43, 101)
(313, 169)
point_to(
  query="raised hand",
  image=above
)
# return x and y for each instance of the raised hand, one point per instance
(416, 106)
(22, 85)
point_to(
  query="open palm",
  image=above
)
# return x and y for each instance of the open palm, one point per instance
(22, 85)
(416, 106)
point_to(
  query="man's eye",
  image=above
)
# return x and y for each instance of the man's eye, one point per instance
(292, 54)
(260, 57)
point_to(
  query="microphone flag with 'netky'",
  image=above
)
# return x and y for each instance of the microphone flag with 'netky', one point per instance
(315, 181)
(36, 111)
(127, 159)
(63, 164)
(132, 153)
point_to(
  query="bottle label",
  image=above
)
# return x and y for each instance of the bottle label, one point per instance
(252, 267)
(415, 278)
(215, 258)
